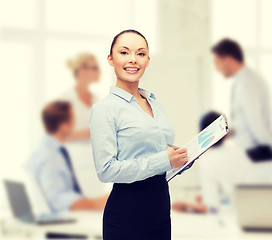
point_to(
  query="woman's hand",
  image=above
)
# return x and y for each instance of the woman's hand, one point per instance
(177, 157)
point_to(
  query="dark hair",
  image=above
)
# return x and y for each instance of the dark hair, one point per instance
(121, 33)
(206, 120)
(54, 114)
(228, 47)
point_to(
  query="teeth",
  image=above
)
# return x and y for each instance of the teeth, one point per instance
(131, 69)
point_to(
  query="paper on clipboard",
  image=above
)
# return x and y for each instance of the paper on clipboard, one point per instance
(202, 142)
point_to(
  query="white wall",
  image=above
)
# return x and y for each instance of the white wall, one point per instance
(36, 43)
(37, 37)
(179, 75)
(250, 25)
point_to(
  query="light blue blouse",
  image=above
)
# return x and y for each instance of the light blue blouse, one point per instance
(128, 144)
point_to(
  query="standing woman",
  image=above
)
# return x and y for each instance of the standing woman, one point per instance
(130, 132)
(86, 71)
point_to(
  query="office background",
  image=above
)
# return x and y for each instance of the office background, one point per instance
(38, 36)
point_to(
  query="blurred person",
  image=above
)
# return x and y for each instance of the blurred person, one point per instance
(129, 133)
(86, 72)
(51, 165)
(188, 207)
(250, 107)
(220, 169)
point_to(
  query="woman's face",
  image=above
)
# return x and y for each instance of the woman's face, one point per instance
(129, 57)
(89, 71)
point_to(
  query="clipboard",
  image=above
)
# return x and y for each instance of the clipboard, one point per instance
(201, 143)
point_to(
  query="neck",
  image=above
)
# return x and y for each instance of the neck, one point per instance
(83, 92)
(58, 136)
(131, 87)
(81, 86)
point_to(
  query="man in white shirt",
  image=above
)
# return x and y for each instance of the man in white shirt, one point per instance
(220, 169)
(224, 166)
(250, 110)
(51, 166)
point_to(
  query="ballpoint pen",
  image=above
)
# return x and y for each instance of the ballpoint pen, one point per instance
(188, 166)
(173, 146)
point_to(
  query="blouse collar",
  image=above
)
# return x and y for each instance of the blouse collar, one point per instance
(128, 96)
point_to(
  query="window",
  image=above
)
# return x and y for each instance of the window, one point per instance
(248, 22)
(37, 37)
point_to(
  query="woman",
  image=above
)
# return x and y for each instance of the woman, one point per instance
(86, 72)
(130, 132)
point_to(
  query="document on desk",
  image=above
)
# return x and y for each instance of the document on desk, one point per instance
(202, 142)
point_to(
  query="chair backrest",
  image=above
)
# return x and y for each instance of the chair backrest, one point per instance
(40, 204)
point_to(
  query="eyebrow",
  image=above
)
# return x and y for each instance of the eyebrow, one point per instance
(128, 48)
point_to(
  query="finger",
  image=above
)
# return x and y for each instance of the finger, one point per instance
(179, 157)
(183, 155)
(181, 150)
(184, 159)
(183, 162)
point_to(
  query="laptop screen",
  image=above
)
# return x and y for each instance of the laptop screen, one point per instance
(19, 201)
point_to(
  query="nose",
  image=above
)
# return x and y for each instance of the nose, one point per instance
(132, 59)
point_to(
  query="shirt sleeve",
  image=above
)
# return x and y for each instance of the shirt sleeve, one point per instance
(55, 185)
(250, 97)
(104, 144)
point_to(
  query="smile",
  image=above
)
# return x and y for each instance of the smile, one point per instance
(131, 70)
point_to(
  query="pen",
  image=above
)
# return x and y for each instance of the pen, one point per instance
(173, 146)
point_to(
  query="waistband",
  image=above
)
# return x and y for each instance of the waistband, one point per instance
(151, 181)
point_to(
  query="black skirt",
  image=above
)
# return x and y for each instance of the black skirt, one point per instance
(139, 210)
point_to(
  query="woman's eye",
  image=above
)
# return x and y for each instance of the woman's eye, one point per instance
(123, 52)
(142, 54)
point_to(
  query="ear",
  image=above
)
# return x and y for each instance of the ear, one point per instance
(61, 128)
(110, 61)
(148, 61)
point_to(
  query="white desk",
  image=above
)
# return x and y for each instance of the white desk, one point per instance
(87, 223)
(184, 227)
(200, 227)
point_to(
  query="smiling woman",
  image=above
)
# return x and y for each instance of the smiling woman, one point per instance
(129, 55)
(130, 131)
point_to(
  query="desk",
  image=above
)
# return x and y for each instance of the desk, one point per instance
(184, 227)
(199, 227)
(87, 223)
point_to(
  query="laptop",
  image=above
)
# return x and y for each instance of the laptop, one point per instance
(254, 207)
(21, 208)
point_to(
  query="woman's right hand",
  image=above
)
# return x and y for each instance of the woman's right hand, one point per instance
(177, 157)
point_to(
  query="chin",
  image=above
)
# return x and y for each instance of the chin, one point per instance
(130, 78)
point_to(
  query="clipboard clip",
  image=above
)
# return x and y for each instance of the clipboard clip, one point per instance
(224, 123)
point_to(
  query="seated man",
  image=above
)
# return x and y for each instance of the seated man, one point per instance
(220, 170)
(51, 166)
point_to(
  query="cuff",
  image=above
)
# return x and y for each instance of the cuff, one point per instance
(161, 162)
